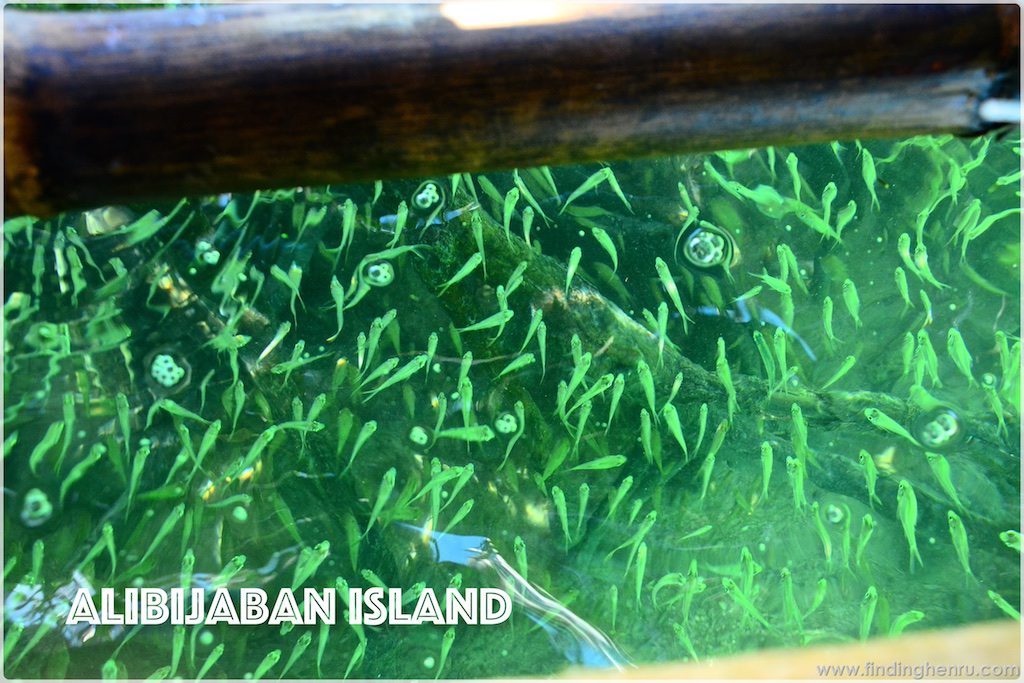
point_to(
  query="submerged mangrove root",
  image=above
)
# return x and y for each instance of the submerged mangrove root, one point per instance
(616, 340)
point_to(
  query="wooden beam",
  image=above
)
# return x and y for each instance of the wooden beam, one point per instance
(963, 652)
(105, 107)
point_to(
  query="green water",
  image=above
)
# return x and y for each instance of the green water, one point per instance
(129, 331)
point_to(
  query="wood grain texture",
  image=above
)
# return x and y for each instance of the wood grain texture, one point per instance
(115, 106)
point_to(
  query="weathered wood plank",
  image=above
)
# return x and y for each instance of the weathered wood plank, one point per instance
(102, 107)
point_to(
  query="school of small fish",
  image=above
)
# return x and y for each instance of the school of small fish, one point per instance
(599, 370)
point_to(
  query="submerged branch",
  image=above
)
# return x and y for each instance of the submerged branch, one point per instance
(617, 340)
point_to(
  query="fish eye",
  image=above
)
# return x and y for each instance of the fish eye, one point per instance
(380, 273)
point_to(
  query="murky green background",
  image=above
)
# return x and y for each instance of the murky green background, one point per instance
(96, 440)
